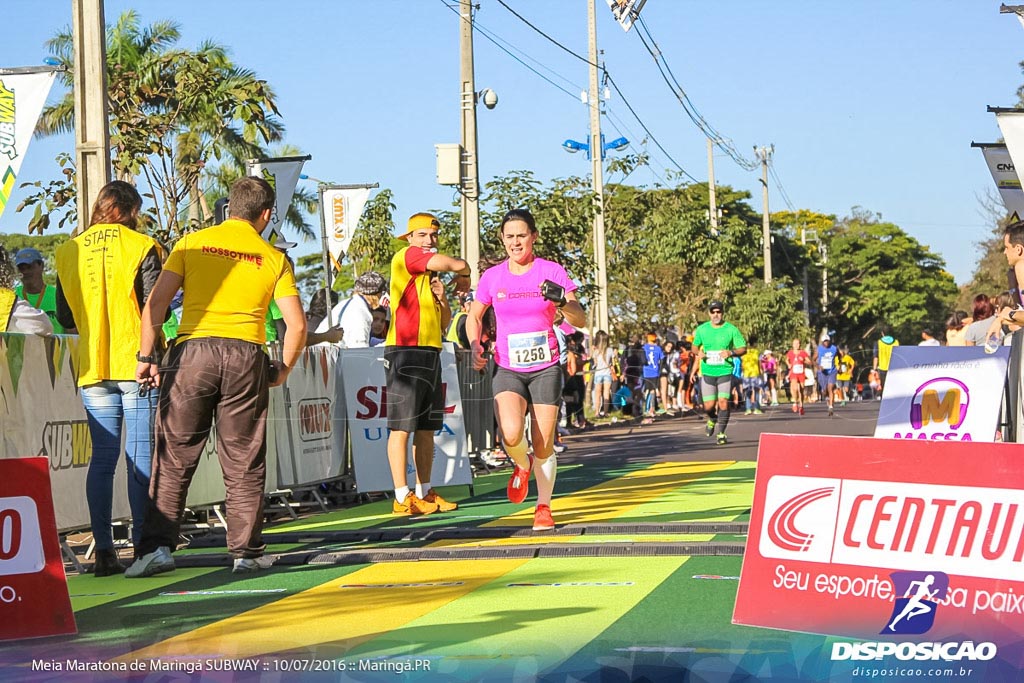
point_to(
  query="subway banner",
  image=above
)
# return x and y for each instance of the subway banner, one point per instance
(1004, 174)
(366, 403)
(34, 600)
(949, 393)
(23, 93)
(912, 548)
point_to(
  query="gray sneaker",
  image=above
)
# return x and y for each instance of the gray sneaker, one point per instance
(248, 565)
(156, 562)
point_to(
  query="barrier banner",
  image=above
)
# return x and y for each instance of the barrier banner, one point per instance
(34, 600)
(313, 425)
(949, 393)
(886, 540)
(365, 399)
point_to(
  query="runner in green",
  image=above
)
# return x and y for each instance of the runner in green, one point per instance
(715, 342)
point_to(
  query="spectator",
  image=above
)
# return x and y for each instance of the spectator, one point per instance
(355, 315)
(927, 339)
(984, 312)
(34, 290)
(17, 315)
(956, 329)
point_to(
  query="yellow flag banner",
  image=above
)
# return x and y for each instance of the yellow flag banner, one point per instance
(23, 93)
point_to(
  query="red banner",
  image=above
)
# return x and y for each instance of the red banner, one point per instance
(34, 598)
(886, 540)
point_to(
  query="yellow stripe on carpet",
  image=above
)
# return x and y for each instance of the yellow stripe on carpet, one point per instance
(338, 615)
(616, 497)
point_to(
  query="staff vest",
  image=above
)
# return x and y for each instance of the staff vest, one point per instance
(97, 271)
(7, 299)
(885, 353)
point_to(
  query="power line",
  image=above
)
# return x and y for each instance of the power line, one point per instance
(527, 22)
(778, 185)
(694, 115)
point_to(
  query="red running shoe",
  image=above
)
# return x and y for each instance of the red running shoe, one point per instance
(801, 410)
(542, 519)
(519, 483)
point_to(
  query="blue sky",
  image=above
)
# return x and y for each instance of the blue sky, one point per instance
(870, 104)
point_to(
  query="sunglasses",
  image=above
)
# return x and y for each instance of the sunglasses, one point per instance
(716, 310)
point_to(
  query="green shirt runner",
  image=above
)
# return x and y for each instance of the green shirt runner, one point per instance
(717, 344)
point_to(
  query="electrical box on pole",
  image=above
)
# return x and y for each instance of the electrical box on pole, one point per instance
(449, 163)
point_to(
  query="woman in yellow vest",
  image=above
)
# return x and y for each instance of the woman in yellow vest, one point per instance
(104, 276)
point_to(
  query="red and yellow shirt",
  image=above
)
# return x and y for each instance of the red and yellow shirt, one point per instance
(415, 315)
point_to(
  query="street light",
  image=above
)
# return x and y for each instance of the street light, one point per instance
(572, 146)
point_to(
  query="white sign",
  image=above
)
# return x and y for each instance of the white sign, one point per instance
(366, 398)
(282, 174)
(22, 97)
(342, 209)
(1000, 165)
(947, 393)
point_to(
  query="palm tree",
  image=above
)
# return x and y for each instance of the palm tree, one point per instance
(171, 111)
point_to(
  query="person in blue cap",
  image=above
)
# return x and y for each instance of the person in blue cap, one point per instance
(31, 265)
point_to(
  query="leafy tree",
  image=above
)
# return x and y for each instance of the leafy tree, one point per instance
(769, 315)
(171, 111)
(373, 243)
(881, 276)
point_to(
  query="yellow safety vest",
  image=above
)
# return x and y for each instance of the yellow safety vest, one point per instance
(885, 353)
(453, 329)
(7, 299)
(97, 271)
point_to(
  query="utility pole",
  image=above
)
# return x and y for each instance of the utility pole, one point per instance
(807, 300)
(764, 154)
(712, 207)
(824, 278)
(600, 307)
(470, 202)
(92, 134)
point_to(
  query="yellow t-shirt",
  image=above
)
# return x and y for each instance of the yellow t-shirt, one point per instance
(847, 360)
(751, 363)
(231, 274)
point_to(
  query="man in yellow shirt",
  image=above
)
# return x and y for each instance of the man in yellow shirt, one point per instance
(844, 376)
(218, 366)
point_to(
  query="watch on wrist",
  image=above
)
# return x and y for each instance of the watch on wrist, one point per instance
(145, 359)
(1011, 315)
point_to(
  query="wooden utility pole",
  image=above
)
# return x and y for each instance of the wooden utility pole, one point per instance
(712, 207)
(764, 154)
(470, 203)
(92, 128)
(600, 306)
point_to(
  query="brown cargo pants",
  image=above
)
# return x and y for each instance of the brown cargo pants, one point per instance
(202, 380)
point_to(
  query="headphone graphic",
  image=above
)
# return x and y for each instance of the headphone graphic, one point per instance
(915, 408)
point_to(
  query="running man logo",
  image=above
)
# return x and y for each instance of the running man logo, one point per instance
(8, 145)
(918, 595)
(67, 444)
(315, 419)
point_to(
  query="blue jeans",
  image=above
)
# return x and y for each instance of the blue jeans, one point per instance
(106, 405)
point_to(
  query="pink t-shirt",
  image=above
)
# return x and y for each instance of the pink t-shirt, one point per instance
(526, 339)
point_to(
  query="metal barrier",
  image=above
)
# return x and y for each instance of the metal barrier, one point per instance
(477, 402)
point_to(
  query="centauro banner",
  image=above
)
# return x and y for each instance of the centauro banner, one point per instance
(22, 96)
(282, 174)
(1000, 165)
(342, 209)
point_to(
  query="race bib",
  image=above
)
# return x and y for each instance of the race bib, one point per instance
(528, 349)
(715, 358)
(798, 368)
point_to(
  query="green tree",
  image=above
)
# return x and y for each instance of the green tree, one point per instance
(373, 242)
(879, 276)
(171, 112)
(769, 315)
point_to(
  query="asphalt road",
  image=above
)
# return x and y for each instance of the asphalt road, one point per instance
(674, 439)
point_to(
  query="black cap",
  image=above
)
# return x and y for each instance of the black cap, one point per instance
(716, 304)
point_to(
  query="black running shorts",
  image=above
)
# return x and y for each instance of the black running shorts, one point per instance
(539, 388)
(415, 401)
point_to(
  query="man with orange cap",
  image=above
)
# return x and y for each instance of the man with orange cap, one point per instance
(412, 361)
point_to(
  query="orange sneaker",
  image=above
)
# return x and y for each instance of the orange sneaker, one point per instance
(519, 483)
(442, 504)
(413, 506)
(542, 519)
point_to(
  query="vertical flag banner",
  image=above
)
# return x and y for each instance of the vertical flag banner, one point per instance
(22, 96)
(1000, 165)
(342, 209)
(282, 174)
